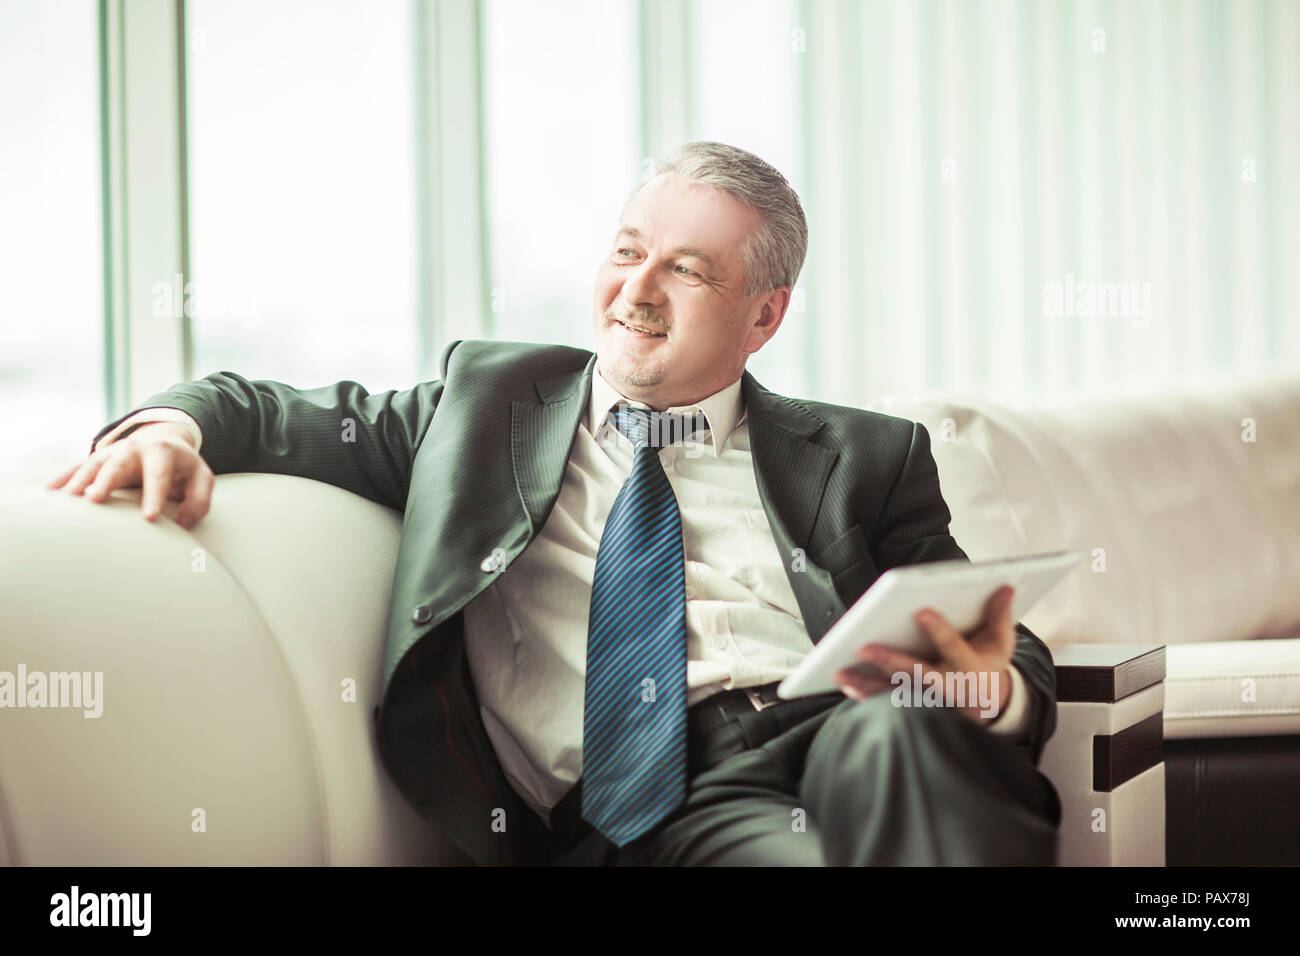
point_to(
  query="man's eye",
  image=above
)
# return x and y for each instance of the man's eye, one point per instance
(625, 252)
(686, 271)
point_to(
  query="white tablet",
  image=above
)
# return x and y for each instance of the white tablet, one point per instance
(956, 589)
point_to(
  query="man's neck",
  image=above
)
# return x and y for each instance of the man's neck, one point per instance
(659, 402)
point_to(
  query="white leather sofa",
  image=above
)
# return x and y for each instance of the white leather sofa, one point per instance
(1188, 506)
(241, 659)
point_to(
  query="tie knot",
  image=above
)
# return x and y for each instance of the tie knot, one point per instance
(643, 427)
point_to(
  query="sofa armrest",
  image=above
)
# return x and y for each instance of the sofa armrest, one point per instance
(234, 666)
(1106, 758)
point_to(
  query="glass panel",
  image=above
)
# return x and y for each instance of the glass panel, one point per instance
(51, 282)
(562, 128)
(303, 242)
(743, 69)
(743, 76)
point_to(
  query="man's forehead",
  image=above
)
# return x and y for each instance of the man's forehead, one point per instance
(693, 212)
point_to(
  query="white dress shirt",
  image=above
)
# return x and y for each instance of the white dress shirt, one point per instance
(526, 634)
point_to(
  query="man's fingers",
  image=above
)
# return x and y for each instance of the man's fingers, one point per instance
(85, 473)
(1003, 622)
(859, 685)
(948, 641)
(997, 632)
(114, 470)
(160, 468)
(155, 479)
(998, 606)
(60, 481)
(198, 498)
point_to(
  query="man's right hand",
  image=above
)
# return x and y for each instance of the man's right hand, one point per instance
(158, 457)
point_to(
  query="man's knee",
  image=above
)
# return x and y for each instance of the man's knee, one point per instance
(876, 735)
(880, 719)
(877, 774)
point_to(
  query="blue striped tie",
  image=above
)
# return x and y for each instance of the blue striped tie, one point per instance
(634, 715)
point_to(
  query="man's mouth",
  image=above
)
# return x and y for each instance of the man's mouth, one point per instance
(639, 330)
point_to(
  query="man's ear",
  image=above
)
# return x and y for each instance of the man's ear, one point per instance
(772, 309)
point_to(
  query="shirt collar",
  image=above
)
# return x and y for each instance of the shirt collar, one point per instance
(724, 409)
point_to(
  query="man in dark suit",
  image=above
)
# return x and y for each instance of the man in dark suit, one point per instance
(610, 559)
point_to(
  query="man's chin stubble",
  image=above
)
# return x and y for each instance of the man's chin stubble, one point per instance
(624, 372)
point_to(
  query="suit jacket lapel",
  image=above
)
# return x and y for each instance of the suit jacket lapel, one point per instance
(790, 469)
(792, 472)
(542, 436)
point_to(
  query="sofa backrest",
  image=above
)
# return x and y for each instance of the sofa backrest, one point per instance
(1187, 503)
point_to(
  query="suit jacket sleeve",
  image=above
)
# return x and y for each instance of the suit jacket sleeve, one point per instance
(913, 528)
(339, 434)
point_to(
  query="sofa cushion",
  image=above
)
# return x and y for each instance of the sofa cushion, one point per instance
(1232, 689)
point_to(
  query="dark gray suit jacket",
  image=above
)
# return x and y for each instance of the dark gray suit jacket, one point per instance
(857, 491)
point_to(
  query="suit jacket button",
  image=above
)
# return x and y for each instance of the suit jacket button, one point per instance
(830, 613)
(422, 614)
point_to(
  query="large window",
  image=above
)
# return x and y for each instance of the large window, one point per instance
(743, 62)
(51, 270)
(563, 112)
(302, 190)
(365, 180)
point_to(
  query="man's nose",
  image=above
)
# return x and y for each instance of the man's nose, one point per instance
(641, 286)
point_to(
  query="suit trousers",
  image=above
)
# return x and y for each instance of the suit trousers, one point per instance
(830, 781)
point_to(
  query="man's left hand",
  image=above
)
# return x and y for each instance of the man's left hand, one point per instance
(984, 652)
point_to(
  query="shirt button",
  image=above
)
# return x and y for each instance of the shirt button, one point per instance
(720, 642)
(422, 614)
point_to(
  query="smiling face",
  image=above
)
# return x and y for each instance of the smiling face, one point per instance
(672, 323)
